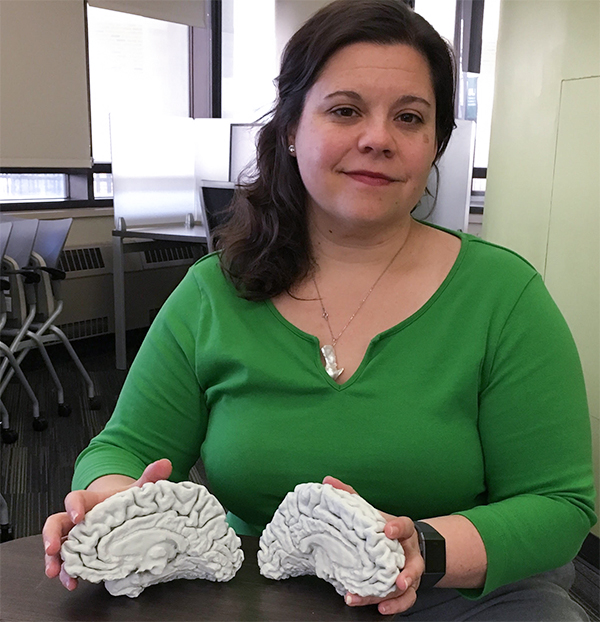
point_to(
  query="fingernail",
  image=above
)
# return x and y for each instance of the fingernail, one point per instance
(74, 515)
(394, 532)
(383, 609)
(350, 600)
(408, 582)
(46, 546)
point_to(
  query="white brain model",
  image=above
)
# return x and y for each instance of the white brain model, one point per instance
(153, 534)
(337, 536)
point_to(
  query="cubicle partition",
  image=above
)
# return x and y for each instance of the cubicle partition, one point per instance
(160, 196)
(448, 201)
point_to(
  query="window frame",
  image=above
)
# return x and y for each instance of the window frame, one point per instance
(80, 181)
(468, 41)
(477, 196)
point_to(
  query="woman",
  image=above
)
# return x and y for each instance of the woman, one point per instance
(334, 336)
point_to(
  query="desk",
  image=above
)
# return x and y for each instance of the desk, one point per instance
(155, 236)
(27, 595)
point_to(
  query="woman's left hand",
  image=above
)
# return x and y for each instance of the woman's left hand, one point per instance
(404, 596)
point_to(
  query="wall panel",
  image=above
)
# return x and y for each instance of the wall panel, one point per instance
(542, 197)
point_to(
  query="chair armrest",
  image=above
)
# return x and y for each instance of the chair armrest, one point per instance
(55, 273)
(29, 276)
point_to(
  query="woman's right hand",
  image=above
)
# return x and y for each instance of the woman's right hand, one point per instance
(78, 502)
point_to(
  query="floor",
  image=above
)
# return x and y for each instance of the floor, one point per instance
(35, 471)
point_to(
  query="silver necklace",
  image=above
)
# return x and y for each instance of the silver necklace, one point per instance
(328, 350)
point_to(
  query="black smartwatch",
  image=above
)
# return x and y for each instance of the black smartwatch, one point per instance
(433, 551)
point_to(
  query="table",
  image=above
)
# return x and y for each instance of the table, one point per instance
(156, 235)
(26, 594)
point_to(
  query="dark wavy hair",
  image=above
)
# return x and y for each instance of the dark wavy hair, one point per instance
(264, 243)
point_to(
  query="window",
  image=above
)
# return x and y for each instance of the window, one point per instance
(32, 187)
(248, 90)
(485, 82)
(103, 188)
(38, 188)
(137, 65)
(441, 14)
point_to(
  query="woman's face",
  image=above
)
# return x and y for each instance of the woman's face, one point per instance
(366, 140)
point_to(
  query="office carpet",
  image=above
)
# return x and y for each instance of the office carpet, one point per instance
(36, 471)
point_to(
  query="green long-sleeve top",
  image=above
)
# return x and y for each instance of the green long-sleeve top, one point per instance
(473, 405)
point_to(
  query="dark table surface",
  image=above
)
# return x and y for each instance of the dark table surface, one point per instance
(176, 232)
(26, 594)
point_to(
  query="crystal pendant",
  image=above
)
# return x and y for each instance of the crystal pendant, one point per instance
(331, 362)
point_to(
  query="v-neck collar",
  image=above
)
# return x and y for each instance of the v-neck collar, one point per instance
(388, 331)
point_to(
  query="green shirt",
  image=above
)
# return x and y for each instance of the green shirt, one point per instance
(473, 405)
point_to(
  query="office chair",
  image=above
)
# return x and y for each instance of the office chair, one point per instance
(9, 435)
(5, 526)
(24, 309)
(49, 241)
(18, 316)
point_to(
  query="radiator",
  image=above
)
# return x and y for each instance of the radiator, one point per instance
(87, 291)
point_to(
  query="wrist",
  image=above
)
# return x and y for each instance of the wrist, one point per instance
(110, 483)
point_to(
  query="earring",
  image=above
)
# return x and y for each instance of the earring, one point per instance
(292, 150)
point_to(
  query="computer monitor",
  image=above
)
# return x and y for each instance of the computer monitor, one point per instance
(215, 197)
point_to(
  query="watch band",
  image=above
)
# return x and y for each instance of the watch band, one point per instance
(433, 551)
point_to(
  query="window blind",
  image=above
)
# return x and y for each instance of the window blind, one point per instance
(44, 113)
(189, 12)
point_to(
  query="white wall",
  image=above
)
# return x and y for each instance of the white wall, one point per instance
(540, 44)
(543, 194)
